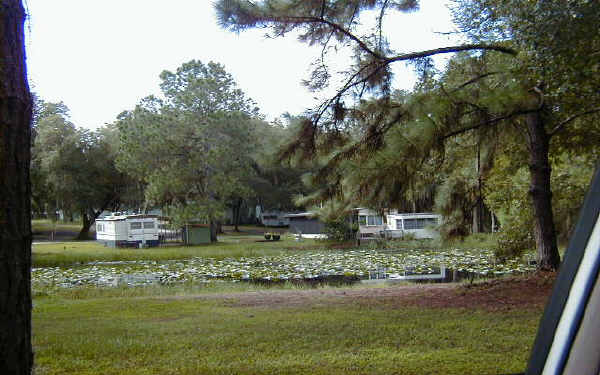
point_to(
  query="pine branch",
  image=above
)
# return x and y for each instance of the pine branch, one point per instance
(299, 20)
(438, 51)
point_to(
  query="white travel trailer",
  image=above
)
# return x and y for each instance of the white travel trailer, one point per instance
(371, 224)
(274, 219)
(419, 225)
(128, 231)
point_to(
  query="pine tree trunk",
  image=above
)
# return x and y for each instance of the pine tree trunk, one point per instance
(541, 196)
(16, 356)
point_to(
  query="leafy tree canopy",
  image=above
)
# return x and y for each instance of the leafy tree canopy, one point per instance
(191, 149)
(73, 168)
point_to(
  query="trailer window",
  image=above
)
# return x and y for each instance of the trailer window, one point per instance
(411, 224)
(399, 224)
(419, 223)
(135, 225)
(362, 220)
(99, 227)
(148, 225)
(374, 220)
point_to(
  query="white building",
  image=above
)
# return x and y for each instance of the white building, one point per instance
(419, 225)
(274, 219)
(372, 224)
(128, 231)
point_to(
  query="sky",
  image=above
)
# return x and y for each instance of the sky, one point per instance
(102, 57)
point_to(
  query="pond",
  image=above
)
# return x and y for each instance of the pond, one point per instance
(305, 265)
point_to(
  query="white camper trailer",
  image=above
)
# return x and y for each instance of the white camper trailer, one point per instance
(371, 224)
(274, 219)
(419, 225)
(128, 231)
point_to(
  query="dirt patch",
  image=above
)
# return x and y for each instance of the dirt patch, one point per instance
(496, 295)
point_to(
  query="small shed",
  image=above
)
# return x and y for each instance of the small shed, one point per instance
(196, 234)
(306, 224)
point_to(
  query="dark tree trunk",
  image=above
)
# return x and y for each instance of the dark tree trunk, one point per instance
(541, 196)
(236, 214)
(87, 222)
(16, 356)
(213, 231)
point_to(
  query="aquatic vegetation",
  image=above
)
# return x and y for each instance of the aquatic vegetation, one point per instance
(300, 265)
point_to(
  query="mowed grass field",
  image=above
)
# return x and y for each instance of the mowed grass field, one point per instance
(277, 332)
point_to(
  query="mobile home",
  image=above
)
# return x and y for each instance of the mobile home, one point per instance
(306, 224)
(128, 231)
(372, 224)
(274, 219)
(419, 225)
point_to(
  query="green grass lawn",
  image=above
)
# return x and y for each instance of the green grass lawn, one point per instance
(69, 253)
(93, 334)
(42, 225)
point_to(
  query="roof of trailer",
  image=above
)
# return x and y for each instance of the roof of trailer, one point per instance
(127, 217)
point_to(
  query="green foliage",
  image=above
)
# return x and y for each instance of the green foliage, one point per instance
(276, 183)
(192, 150)
(516, 236)
(339, 230)
(73, 168)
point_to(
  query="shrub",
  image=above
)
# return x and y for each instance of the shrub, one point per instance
(339, 230)
(515, 238)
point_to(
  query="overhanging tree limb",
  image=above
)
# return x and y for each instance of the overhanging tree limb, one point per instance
(569, 119)
(451, 49)
(488, 122)
(474, 80)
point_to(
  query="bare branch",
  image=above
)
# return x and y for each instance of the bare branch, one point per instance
(564, 123)
(475, 79)
(488, 122)
(380, 22)
(323, 6)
